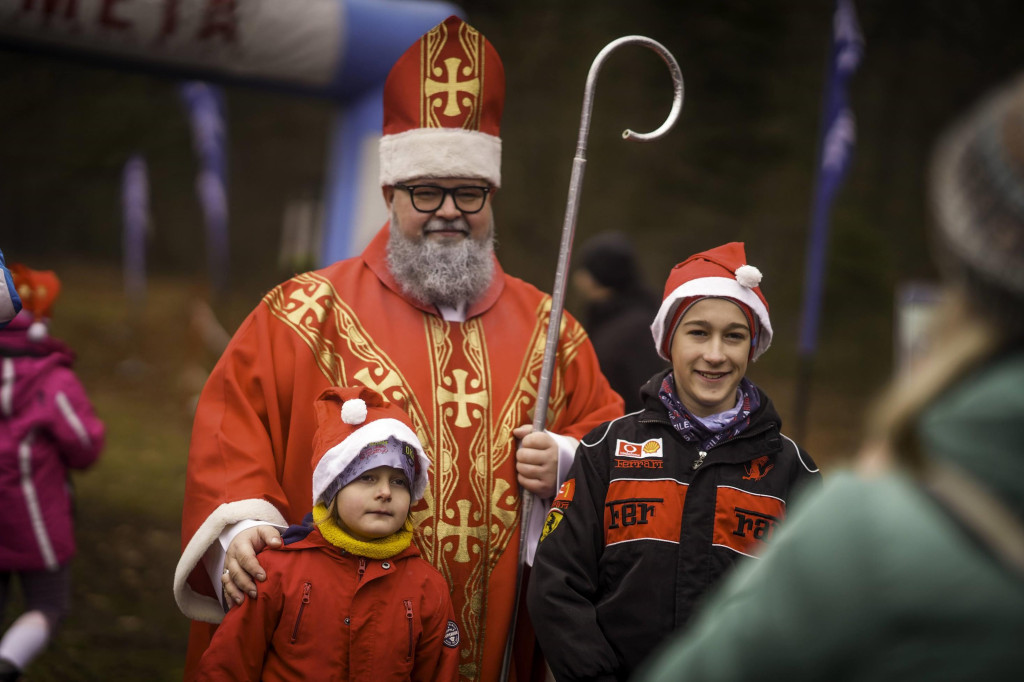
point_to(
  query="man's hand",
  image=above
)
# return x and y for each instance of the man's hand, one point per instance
(240, 564)
(536, 461)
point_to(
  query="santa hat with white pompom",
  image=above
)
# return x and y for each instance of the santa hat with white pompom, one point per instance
(357, 430)
(38, 290)
(722, 272)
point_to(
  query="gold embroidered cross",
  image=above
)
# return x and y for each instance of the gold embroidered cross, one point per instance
(463, 531)
(305, 303)
(461, 397)
(452, 86)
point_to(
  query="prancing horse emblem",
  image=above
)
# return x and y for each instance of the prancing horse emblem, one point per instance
(757, 470)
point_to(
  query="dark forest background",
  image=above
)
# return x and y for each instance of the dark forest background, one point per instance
(738, 166)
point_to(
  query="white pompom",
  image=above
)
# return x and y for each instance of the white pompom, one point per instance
(748, 276)
(37, 331)
(353, 411)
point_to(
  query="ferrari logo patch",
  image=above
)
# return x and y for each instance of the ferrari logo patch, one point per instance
(551, 523)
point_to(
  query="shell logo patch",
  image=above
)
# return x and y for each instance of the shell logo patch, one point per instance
(649, 448)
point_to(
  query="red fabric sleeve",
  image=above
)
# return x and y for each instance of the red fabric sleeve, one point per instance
(240, 643)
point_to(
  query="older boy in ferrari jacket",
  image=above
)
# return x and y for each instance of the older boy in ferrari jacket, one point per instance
(661, 503)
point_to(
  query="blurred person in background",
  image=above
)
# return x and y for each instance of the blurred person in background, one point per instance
(47, 426)
(617, 315)
(427, 317)
(912, 566)
(10, 303)
(662, 503)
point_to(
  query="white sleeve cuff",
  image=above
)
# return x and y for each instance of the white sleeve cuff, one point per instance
(539, 509)
(226, 521)
(213, 558)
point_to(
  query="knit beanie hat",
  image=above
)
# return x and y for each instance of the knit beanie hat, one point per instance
(977, 197)
(358, 430)
(721, 272)
(38, 290)
(610, 259)
(443, 101)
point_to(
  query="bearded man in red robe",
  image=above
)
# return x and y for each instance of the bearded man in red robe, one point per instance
(426, 317)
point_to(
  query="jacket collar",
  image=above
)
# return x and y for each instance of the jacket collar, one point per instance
(761, 421)
(315, 539)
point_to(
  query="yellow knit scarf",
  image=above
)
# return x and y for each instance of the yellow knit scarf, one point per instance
(381, 548)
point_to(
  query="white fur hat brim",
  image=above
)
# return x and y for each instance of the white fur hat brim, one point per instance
(336, 459)
(440, 153)
(720, 287)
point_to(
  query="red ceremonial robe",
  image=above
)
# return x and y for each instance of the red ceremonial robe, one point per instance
(466, 385)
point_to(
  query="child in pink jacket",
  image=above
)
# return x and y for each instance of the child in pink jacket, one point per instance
(47, 426)
(348, 598)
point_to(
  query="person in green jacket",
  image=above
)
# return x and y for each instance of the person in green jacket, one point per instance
(911, 566)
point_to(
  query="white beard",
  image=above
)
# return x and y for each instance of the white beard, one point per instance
(439, 273)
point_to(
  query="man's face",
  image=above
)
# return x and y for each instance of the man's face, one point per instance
(444, 257)
(447, 224)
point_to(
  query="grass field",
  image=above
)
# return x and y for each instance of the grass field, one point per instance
(124, 624)
(142, 369)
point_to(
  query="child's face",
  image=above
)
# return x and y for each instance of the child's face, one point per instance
(709, 355)
(375, 504)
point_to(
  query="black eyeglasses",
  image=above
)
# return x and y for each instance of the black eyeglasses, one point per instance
(428, 198)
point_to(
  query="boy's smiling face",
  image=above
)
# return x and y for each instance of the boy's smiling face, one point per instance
(709, 355)
(375, 504)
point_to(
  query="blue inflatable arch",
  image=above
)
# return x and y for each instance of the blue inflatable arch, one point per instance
(341, 50)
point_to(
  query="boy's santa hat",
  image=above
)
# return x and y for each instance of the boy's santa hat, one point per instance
(442, 108)
(357, 430)
(721, 272)
(38, 290)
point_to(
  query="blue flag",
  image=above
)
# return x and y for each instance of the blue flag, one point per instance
(835, 149)
(135, 216)
(205, 104)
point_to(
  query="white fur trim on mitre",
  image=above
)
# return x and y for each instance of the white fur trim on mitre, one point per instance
(748, 276)
(353, 411)
(714, 287)
(197, 606)
(334, 461)
(440, 153)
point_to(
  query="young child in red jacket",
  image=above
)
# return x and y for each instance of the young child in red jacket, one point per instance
(348, 597)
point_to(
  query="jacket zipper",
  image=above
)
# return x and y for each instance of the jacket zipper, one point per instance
(700, 460)
(306, 588)
(408, 618)
(362, 569)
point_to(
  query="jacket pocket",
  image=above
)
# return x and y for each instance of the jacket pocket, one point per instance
(307, 587)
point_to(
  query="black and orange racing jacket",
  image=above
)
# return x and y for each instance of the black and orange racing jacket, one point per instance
(644, 524)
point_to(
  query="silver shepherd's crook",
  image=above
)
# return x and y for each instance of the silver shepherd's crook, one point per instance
(562, 271)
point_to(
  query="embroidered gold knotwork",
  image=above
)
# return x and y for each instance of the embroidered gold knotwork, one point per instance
(454, 81)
